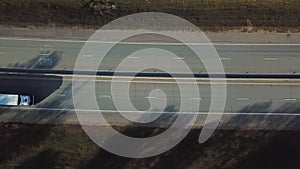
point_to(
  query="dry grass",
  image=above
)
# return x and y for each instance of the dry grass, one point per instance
(67, 146)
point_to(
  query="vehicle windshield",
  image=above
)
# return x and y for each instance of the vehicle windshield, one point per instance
(24, 100)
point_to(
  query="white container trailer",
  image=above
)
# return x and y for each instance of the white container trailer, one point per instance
(16, 100)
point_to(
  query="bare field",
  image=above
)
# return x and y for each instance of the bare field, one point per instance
(209, 14)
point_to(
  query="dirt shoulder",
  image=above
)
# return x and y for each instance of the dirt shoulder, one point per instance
(233, 36)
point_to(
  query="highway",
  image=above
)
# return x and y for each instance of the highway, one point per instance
(236, 58)
(250, 103)
(265, 99)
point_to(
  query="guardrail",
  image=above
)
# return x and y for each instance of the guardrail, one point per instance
(146, 74)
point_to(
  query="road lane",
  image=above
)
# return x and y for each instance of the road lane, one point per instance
(276, 101)
(240, 93)
(236, 58)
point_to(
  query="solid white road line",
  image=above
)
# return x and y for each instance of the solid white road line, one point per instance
(148, 43)
(199, 83)
(193, 113)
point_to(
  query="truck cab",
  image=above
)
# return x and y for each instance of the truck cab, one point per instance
(26, 100)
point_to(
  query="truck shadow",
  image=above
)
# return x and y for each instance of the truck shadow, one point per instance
(40, 86)
(26, 136)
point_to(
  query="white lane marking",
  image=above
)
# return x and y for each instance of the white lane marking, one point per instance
(243, 98)
(148, 97)
(290, 99)
(197, 98)
(88, 56)
(105, 96)
(133, 57)
(60, 94)
(150, 43)
(44, 54)
(270, 59)
(114, 111)
(226, 59)
(178, 58)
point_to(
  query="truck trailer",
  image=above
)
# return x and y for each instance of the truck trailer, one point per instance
(16, 100)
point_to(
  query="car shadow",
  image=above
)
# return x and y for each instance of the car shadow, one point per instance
(42, 61)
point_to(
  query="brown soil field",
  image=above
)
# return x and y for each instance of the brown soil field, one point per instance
(208, 14)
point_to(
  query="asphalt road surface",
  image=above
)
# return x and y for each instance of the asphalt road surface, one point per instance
(236, 58)
(263, 103)
(251, 103)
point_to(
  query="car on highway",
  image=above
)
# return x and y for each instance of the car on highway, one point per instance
(46, 61)
(46, 52)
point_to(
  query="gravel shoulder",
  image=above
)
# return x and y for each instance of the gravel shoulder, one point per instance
(233, 36)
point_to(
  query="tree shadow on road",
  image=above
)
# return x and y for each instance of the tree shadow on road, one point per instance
(237, 146)
(278, 146)
(268, 120)
(244, 141)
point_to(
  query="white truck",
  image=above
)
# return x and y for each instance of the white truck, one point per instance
(16, 100)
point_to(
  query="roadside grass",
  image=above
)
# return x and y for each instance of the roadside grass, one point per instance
(67, 146)
(34, 146)
(204, 13)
